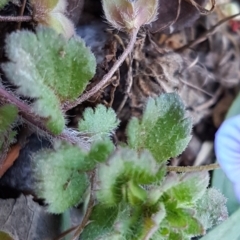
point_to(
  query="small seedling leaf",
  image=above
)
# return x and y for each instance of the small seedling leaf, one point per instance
(98, 123)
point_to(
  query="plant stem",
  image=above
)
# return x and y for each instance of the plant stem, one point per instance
(206, 34)
(15, 18)
(193, 168)
(107, 77)
(27, 114)
(21, 13)
(65, 233)
(88, 212)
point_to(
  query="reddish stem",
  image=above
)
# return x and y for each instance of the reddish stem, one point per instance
(15, 18)
(26, 113)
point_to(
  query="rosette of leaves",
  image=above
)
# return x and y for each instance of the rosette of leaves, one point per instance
(135, 197)
(50, 69)
(137, 200)
(164, 128)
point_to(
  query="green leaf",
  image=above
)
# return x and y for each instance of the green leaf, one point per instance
(47, 67)
(8, 114)
(61, 173)
(229, 229)
(175, 216)
(221, 182)
(190, 188)
(101, 222)
(155, 192)
(175, 236)
(99, 153)
(194, 227)
(211, 208)
(59, 180)
(126, 165)
(183, 220)
(99, 123)
(153, 223)
(164, 130)
(5, 236)
(135, 194)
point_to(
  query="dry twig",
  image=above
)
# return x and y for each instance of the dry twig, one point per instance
(16, 18)
(21, 13)
(193, 168)
(205, 35)
(107, 77)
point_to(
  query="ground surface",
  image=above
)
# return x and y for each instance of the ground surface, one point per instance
(199, 61)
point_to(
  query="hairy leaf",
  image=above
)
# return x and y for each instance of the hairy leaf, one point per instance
(8, 114)
(61, 173)
(47, 67)
(227, 230)
(99, 152)
(190, 188)
(101, 223)
(99, 123)
(62, 180)
(155, 192)
(211, 208)
(183, 220)
(60, 184)
(152, 224)
(122, 168)
(163, 130)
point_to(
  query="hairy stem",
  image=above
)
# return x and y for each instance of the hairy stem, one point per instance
(30, 117)
(193, 168)
(15, 18)
(107, 77)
